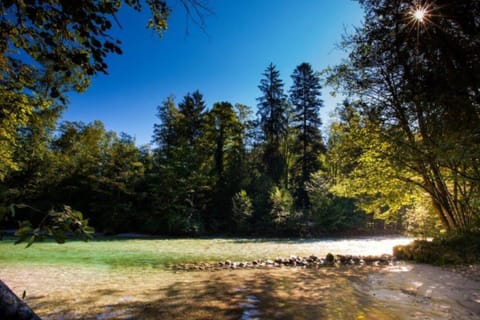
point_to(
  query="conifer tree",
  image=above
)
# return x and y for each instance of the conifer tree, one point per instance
(273, 122)
(305, 98)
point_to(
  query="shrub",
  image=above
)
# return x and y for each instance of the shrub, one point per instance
(455, 248)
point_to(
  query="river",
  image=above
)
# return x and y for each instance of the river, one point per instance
(400, 291)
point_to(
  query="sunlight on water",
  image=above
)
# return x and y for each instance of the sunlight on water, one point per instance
(358, 246)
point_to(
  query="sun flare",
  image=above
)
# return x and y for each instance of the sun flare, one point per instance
(419, 14)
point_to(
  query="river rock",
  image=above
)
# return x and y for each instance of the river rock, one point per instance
(293, 261)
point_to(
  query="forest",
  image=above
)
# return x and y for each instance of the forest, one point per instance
(217, 169)
(402, 155)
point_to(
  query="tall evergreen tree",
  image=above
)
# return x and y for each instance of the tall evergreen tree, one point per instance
(305, 98)
(192, 108)
(165, 134)
(225, 134)
(273, 121)
(180, 185)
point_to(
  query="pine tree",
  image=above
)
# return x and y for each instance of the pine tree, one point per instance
(305, 98)
(192, 108)
(273, 121)
(224, 134)
(181, 180)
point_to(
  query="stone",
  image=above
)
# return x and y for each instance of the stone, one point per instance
(329, 258)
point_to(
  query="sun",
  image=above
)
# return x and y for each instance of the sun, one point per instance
(419, 14)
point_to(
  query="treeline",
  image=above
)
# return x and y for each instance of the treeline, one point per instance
(210, 170)
(404, 147)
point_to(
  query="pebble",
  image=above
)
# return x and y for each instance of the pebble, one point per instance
(293, 261)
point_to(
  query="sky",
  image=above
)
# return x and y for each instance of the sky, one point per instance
(225, 61)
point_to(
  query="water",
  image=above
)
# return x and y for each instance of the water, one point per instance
(404, 291)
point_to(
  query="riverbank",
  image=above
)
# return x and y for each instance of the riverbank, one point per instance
(427, 292)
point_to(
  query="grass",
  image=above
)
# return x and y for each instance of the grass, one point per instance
(163, 252)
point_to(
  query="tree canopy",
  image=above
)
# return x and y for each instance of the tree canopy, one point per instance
(49, 48)
(417, 81)
(404, 144)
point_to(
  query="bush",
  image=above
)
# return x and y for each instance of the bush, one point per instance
(451, 249)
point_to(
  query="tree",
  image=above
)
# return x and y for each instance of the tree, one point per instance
(48, 48)
(242, 210)
(305, 97)
(281, 204)
(329, 212)
(225, 133)
(192, 109)
(273, 121)
(12, 307)
(418, 79)
(34, 159)
(360, 166)
(165, 134)
(181, 187)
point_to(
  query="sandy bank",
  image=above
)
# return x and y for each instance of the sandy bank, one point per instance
(421, 291)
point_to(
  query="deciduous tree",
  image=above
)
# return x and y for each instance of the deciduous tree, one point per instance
(418, 80)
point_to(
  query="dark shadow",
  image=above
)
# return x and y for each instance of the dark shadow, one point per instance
(247, 294)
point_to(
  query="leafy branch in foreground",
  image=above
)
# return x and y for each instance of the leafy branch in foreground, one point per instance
(57, 224)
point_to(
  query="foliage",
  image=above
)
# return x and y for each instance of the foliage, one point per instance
(93, 170)
(281, 205)
(330, 213)
(50, 48)
(361, 166)
(56, 223)
(207, 172)
(417, 83)
(449, 249)
(420, 220)
(242, 210)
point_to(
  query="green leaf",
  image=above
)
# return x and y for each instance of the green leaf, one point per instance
(31, 241)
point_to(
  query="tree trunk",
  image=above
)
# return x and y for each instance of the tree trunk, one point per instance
(12, 307)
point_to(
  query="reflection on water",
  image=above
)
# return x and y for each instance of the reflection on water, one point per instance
(249, 308)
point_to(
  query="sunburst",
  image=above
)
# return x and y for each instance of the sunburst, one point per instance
(420, 14)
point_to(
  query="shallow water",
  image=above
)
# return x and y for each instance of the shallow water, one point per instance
(277, 293)
(357, 292)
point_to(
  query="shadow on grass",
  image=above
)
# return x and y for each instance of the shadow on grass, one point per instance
(244, 294)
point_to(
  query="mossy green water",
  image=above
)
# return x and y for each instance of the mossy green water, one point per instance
(164, 252)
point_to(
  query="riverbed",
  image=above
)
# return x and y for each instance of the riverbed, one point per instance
(398, 291)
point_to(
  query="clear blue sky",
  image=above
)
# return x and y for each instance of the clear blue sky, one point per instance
(225, 63)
